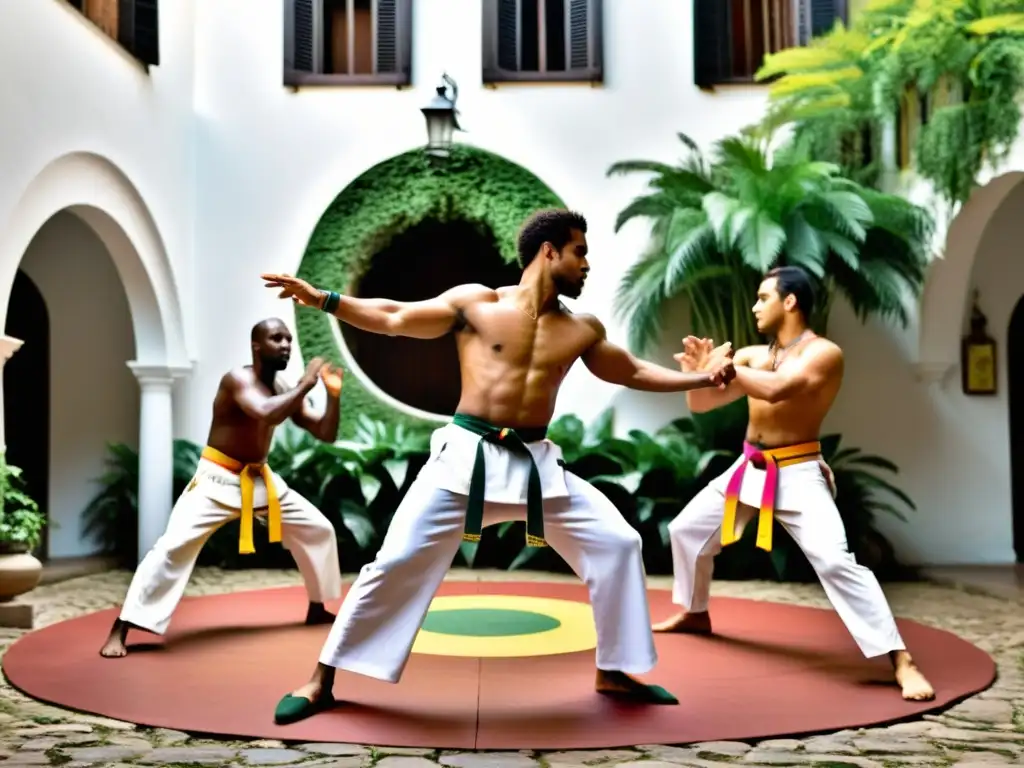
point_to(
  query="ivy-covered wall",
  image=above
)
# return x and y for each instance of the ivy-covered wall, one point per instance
(472, 185)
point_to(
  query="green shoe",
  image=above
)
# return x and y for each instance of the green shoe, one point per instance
(292, 709)
(645, 694)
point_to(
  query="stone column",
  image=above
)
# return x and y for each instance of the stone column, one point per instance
(8, 346)
(156, 446)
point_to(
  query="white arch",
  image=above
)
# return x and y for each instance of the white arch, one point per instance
(99, 193)
(948, 286)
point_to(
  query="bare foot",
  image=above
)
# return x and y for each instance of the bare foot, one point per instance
(317, 614)
(114, 647)
(686, 623)
(621, 685)
(915, 686)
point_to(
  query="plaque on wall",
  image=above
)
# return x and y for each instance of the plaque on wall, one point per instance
(978, 356)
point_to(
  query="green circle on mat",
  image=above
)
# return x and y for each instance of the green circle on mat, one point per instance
(488, 622)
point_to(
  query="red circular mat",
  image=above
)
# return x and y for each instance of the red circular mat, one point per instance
(772, 670)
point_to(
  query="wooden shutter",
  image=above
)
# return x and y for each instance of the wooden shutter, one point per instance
(712, 43)
(139, 29)
(508, 34)
(385, 36)
(583, 24)
(816, 17)
(303, 36)
(824, 14)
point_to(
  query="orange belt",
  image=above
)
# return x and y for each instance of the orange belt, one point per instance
(245, 474)
(772, 459)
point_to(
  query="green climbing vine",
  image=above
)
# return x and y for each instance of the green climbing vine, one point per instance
(471, 185)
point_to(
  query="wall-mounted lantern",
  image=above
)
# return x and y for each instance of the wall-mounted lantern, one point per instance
(442, 118)
(978, 356)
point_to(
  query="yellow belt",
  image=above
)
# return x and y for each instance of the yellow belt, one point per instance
(772, 459)
(245, 474)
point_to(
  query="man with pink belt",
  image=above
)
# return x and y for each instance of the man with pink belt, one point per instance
(790, 386)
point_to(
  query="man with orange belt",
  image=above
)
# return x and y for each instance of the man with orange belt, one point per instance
(233, 481)
(790, 387)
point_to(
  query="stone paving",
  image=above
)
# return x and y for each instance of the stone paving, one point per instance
(987, 730)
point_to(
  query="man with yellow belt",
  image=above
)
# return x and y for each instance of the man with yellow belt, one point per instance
(790, 386)
(233, 481)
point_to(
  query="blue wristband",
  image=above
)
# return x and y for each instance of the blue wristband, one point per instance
(331, 302)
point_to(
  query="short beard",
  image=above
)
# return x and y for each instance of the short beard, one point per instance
(273, 364)
(567, 289)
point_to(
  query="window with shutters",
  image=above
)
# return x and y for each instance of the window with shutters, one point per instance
(347, 42)
(542, 40)
(732, 37)
(133, 24)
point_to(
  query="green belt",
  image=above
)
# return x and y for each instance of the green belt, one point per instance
(506, 438)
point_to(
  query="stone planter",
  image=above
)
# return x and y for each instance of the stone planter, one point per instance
(20, 571)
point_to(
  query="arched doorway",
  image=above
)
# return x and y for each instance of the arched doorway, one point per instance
(92, 396)
(424, 373)
(89, 243)
(1015, 379)
(410, 228)
(27, 392)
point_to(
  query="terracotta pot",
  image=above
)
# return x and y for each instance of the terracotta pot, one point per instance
(19, 572)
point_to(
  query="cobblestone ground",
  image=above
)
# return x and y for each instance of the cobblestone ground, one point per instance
(987, 730)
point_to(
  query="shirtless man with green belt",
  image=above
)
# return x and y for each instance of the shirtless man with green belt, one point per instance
(515, 344)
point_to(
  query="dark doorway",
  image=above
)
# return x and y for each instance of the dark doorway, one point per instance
(1015, 377)
(27, 392)
(421, 263)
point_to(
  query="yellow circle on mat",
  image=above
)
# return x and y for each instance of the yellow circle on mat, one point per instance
(575, 631)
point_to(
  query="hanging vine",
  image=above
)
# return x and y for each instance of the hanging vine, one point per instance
(962, 59)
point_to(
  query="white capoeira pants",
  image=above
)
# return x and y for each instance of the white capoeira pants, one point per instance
(806, 509)
(213, 500)
(384, 609)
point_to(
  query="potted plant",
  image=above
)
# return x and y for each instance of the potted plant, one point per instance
(21, 526)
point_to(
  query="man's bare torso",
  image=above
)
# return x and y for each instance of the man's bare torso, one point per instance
(797, 419)
(232, 431)
(512, 364)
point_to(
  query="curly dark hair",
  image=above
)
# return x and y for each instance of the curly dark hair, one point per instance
(552, 225)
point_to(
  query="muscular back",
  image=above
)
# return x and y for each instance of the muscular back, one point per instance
(798, 418)
(512, 364)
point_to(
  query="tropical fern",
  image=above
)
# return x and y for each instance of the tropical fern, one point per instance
(718, 226)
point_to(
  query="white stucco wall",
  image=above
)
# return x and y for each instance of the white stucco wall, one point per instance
(231, 171)
(94, 398)
(270, 160)
(88, 129)
(119, 138)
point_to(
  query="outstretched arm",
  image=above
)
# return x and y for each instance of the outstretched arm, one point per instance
(615, 365)
(323, 426)
(808, 372)
(427, 319)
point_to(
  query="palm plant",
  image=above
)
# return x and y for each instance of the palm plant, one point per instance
(717, 227)
(111, 518)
